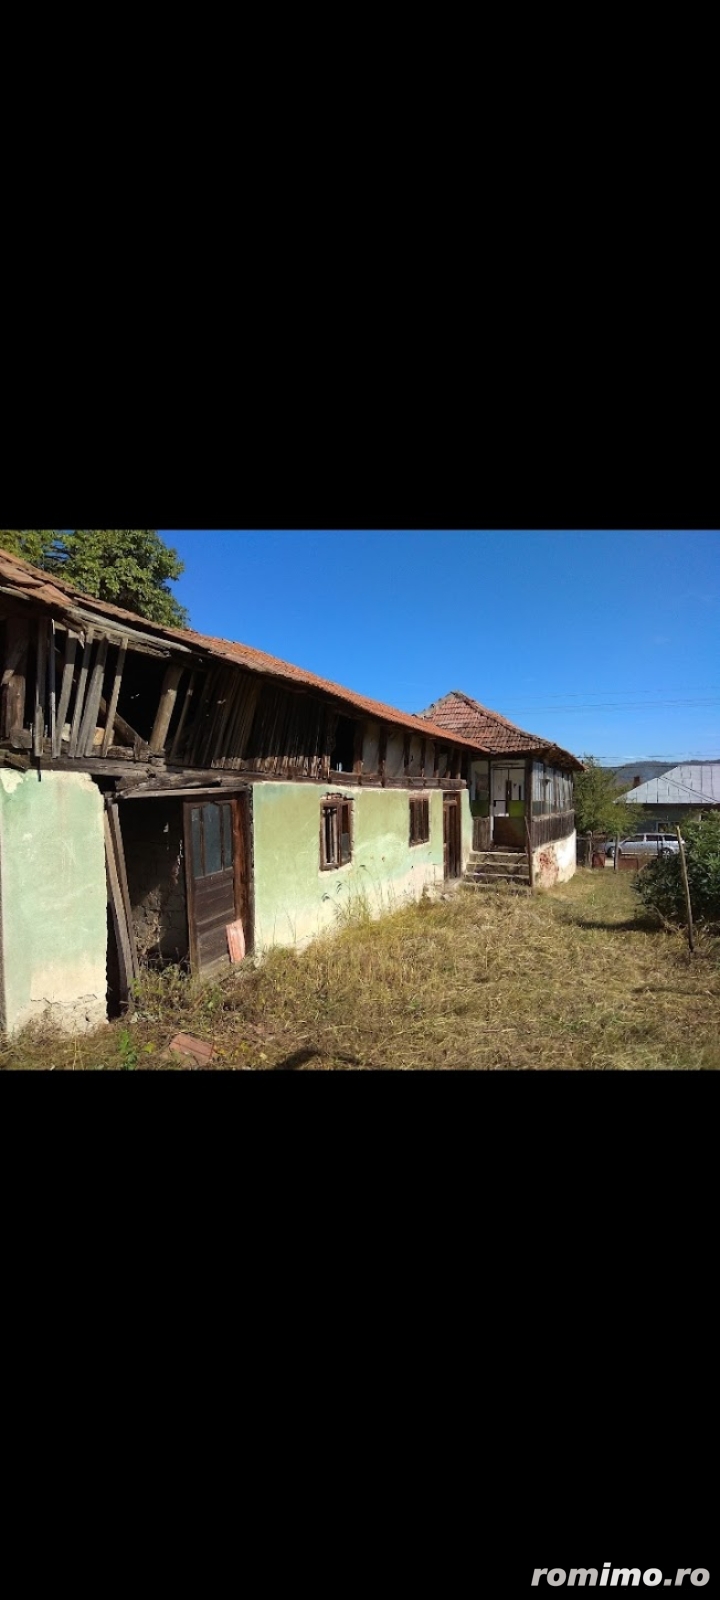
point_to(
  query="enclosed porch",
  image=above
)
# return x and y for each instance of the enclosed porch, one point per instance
(519, 804)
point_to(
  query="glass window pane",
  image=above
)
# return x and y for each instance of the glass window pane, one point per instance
(196, 843)
(227, 835)
(211, 824)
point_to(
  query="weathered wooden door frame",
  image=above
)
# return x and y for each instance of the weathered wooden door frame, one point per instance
(239, 802)
(451, 809)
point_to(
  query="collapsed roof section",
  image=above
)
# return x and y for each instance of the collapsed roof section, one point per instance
(80, 611)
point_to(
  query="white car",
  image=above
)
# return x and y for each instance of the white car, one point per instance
(654, 842)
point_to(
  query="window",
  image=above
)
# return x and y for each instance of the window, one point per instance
(335, 834)
(211, 832)
(419, 821)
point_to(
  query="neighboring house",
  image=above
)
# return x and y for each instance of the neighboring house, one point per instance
(694, 786)
(520, 791)
(637, 772)
(177, 797)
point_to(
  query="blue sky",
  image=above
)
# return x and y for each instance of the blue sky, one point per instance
(606, 643)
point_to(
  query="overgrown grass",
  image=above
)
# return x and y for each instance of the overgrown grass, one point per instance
(574, 978)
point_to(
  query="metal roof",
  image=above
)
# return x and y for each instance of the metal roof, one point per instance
(694, 783)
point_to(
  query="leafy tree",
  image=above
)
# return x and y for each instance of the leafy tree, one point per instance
(42, 547)
(660, 884)
(129, 567)
(598, 808)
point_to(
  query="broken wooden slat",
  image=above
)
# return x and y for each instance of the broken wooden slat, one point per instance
(187, 703)
(123, 729)
(80, 694)
(112, 820)
(51, 684)
(112, 708)
(166, 707)
(40, 670)
(122, 931)
(65, 691)
(92, 703)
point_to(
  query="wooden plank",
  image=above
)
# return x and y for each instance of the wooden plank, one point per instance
(40, 687)
(190, 885)
(117, 908)
(186, 705)
(382, 752)
(123, 729)
(166, 707)
(686, 887)
(92, 703)
(51, 685)
(13, 683)
(112, 708)
(80, 694)
(113, 819)
(65, 691)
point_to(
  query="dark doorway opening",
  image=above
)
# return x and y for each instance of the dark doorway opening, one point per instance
(343, 750)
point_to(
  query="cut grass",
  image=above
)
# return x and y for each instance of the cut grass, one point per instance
(572, 978)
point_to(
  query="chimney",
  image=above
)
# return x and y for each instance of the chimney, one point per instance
(637, 780)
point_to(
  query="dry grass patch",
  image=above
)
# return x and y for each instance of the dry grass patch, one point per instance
(571, 978)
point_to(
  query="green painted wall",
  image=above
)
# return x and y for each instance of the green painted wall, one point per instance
(294, 900)
(53, 923)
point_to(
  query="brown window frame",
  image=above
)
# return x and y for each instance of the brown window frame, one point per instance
(419, 832)
(330, 838)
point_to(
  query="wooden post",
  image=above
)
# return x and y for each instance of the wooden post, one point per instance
(531, 862)
(40, 686)
(382, 753)
(617, 852)
(686, 886)
(65, 691)
(51, 685)
(166, 708)
(80, 694)
(589, 848)
(112, 708)
(92, 703)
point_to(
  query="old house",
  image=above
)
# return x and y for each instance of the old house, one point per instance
(520, 791)
(177, 798)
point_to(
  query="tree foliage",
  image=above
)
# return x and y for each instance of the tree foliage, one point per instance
(660, 884)
(129, 567)
(598, 808)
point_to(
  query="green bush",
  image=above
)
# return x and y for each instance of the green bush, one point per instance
(660, 884)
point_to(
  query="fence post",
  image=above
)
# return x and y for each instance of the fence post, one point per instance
(588, 838)
(686, 886)
(617, 852)
(531, 863)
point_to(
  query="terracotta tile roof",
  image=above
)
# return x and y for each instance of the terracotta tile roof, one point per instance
(47, 589)
(470, 720)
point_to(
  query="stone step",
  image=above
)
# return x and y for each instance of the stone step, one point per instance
(498, 855)
(492, 869)
(496, 886)
(497, 878)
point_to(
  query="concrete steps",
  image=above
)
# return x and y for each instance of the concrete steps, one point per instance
(495, 869)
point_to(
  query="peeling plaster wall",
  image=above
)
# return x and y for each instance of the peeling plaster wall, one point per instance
(556, 862)
(53, 901)
(295, 901)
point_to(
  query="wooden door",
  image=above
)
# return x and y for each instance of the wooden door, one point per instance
(216, 878)
(451, 835)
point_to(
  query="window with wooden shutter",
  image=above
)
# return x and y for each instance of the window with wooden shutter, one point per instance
(335, 834)
(419, 821)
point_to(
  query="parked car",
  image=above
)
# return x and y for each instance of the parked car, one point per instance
(654, 842)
